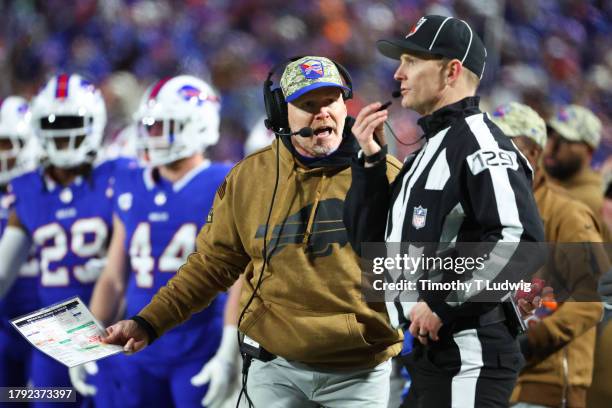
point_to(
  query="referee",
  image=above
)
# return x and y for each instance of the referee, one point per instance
(467, 183)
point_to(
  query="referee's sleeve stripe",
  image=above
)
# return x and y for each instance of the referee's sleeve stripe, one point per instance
(507, 209)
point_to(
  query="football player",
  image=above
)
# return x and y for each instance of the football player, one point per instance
(158, 212)
(64, 207)
(18, 154)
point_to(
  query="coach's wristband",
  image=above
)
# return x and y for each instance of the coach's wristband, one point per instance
(376, 157)
(151, 334)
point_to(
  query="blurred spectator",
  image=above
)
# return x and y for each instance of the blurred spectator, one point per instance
(542, 53)
(122, 93)
(600, 393)
(574, 134)
(567, 337)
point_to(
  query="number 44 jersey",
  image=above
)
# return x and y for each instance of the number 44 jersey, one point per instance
(162, 220)
(70, 228)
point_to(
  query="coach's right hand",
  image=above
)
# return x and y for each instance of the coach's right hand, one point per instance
(368, 128)
(127, 333)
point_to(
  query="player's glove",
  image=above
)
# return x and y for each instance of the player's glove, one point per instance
(94, 267)
(220, 371)
(78, 377)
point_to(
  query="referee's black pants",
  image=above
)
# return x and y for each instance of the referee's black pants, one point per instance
(470, 368)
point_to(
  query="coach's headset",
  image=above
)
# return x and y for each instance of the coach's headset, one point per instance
(276, 106)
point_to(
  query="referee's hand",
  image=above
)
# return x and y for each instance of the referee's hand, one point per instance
(128, 334)
(425, 324)
(368, 128)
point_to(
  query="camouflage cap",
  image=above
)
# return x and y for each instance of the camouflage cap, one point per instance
(308, 73)
(577, 124)
(516, 119)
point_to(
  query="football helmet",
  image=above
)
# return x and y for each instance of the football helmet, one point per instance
(18, 152)
(177, 117)
(259, 137)
(69, 116)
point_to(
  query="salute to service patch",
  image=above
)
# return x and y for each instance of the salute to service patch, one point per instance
(221, 190)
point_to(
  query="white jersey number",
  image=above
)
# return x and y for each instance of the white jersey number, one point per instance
(172, 257)
(87, 239)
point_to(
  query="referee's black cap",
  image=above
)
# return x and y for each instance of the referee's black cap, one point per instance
(443, 36)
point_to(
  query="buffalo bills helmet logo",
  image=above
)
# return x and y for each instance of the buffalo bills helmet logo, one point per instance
(22, 109)
(312, 69)
(86, 84)
(563, 115)
(501, 111)
(191, 94)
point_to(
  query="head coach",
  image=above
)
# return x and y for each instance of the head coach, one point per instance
(276, 224)
(467, 183)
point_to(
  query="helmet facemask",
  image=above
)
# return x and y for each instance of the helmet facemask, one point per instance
(64, 138)
(69, 116)
(162, 142)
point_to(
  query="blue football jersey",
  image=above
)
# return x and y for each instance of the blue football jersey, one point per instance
(162, 220)
(69, 227)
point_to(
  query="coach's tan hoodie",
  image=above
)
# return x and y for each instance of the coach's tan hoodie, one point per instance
(309, 307)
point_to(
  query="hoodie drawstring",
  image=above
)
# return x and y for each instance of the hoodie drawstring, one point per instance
(313, 211)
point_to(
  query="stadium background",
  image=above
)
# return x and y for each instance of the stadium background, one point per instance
(541, 52)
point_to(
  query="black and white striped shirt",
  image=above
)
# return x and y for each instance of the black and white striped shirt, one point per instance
(468, 183)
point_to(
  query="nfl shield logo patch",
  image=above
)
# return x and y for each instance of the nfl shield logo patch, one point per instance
(419, 215)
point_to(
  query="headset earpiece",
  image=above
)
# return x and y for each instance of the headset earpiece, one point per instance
(267, 91)
(348, 81)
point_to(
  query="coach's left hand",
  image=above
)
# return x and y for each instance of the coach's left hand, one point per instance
(424, 323)
(220, 371)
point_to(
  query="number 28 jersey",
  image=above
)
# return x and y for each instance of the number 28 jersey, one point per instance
(70, 227)
(162, 220)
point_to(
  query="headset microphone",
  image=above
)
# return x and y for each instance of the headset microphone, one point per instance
(396, 94)
(304, 132)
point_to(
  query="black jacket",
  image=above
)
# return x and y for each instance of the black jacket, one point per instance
(467, 184)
